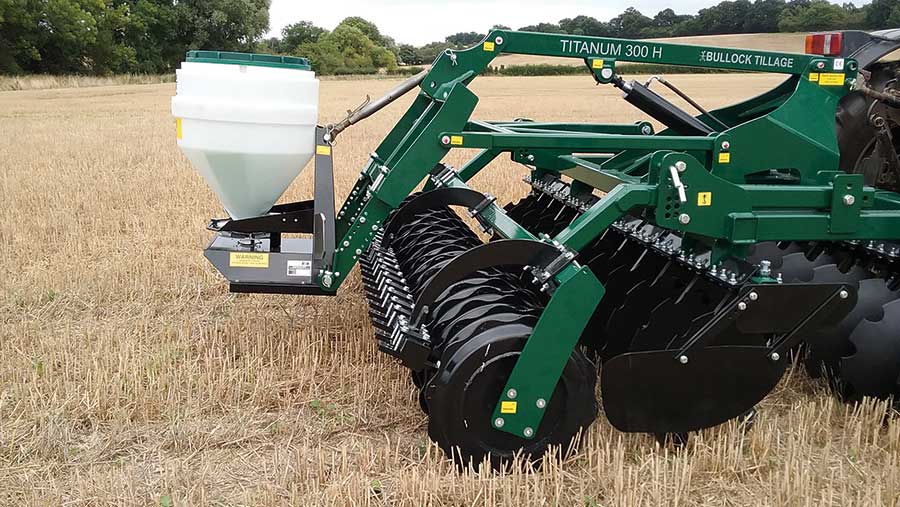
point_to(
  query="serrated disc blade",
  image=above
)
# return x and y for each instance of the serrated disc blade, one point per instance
(873, 369)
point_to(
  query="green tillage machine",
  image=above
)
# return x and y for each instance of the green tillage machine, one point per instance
(688, 263)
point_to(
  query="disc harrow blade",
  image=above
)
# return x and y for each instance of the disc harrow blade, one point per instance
(832, 344)
(874, 366)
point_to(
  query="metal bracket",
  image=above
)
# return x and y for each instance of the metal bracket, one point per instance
(846, 203)
(475, 212)
(442, 174)
(546, 274)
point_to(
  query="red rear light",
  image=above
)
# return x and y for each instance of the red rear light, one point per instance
(826, 44)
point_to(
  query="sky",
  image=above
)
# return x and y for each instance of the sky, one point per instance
(422, 21)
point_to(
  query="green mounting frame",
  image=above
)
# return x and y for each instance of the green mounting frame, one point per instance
(734, 200)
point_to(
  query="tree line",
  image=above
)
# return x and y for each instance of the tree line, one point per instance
(151, 36)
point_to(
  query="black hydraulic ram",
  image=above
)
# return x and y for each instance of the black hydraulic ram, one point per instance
(661, 109)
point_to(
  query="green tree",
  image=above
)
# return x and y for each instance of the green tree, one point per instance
(153, 32)
(583, 25)
(881, 14)
(629, 24)
(226, 25)
(18, 36)
(303, 32)
(465, 39)
(347, 50)
(816, 16)
(427, 53)
(725, 17)
(407, 54)
(543, 28)
(763, 16)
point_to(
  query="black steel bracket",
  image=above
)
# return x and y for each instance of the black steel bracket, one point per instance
(787, 311)
(290, 266)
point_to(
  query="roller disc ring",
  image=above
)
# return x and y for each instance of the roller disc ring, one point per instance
(468, 385)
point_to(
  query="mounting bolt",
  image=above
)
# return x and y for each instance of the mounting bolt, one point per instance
(362, 220)
(681, 166)
(498, 40)
(346, 244)
(511, 394)
(541, 403)
(753, 296)
(849, 200)
(358, 251)
(726, 145)
(530, 158)
(775, 356)
(528, 432)
(844, 294)
(646, 130)
(765, 267)
(445, 140)
(742, 306)
(327, 280)
(499, 422)
(607, 73)
(683, 359)
(684, 218)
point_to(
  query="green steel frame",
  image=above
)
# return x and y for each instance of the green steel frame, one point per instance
(733, 198)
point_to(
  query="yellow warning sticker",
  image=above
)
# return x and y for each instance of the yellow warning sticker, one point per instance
(323, 150)
(831, 79)
(597, 64)
(456, 140)
(178, 132)
(248, 260)
(508, 407)
(489, 46)
(704, 199)
(814, 76)
(724, 158)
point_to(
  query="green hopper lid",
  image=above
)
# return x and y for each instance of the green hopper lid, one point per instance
(255, 59)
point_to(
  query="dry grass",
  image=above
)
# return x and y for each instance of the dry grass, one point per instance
(783, 42)
(130, 376)
(48, 82)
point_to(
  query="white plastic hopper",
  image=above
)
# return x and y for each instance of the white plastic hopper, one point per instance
(247, 124)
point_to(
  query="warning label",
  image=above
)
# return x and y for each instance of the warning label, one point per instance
(248, 260)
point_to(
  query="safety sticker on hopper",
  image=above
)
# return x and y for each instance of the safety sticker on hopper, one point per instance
(508, 407)
(704, 199)
(724, 158)
(597, 64)
(248, 260)
(178, 131)
(489, 46)
(456, 140)
(323, 150)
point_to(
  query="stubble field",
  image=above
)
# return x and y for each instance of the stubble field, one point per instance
(130, 376)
